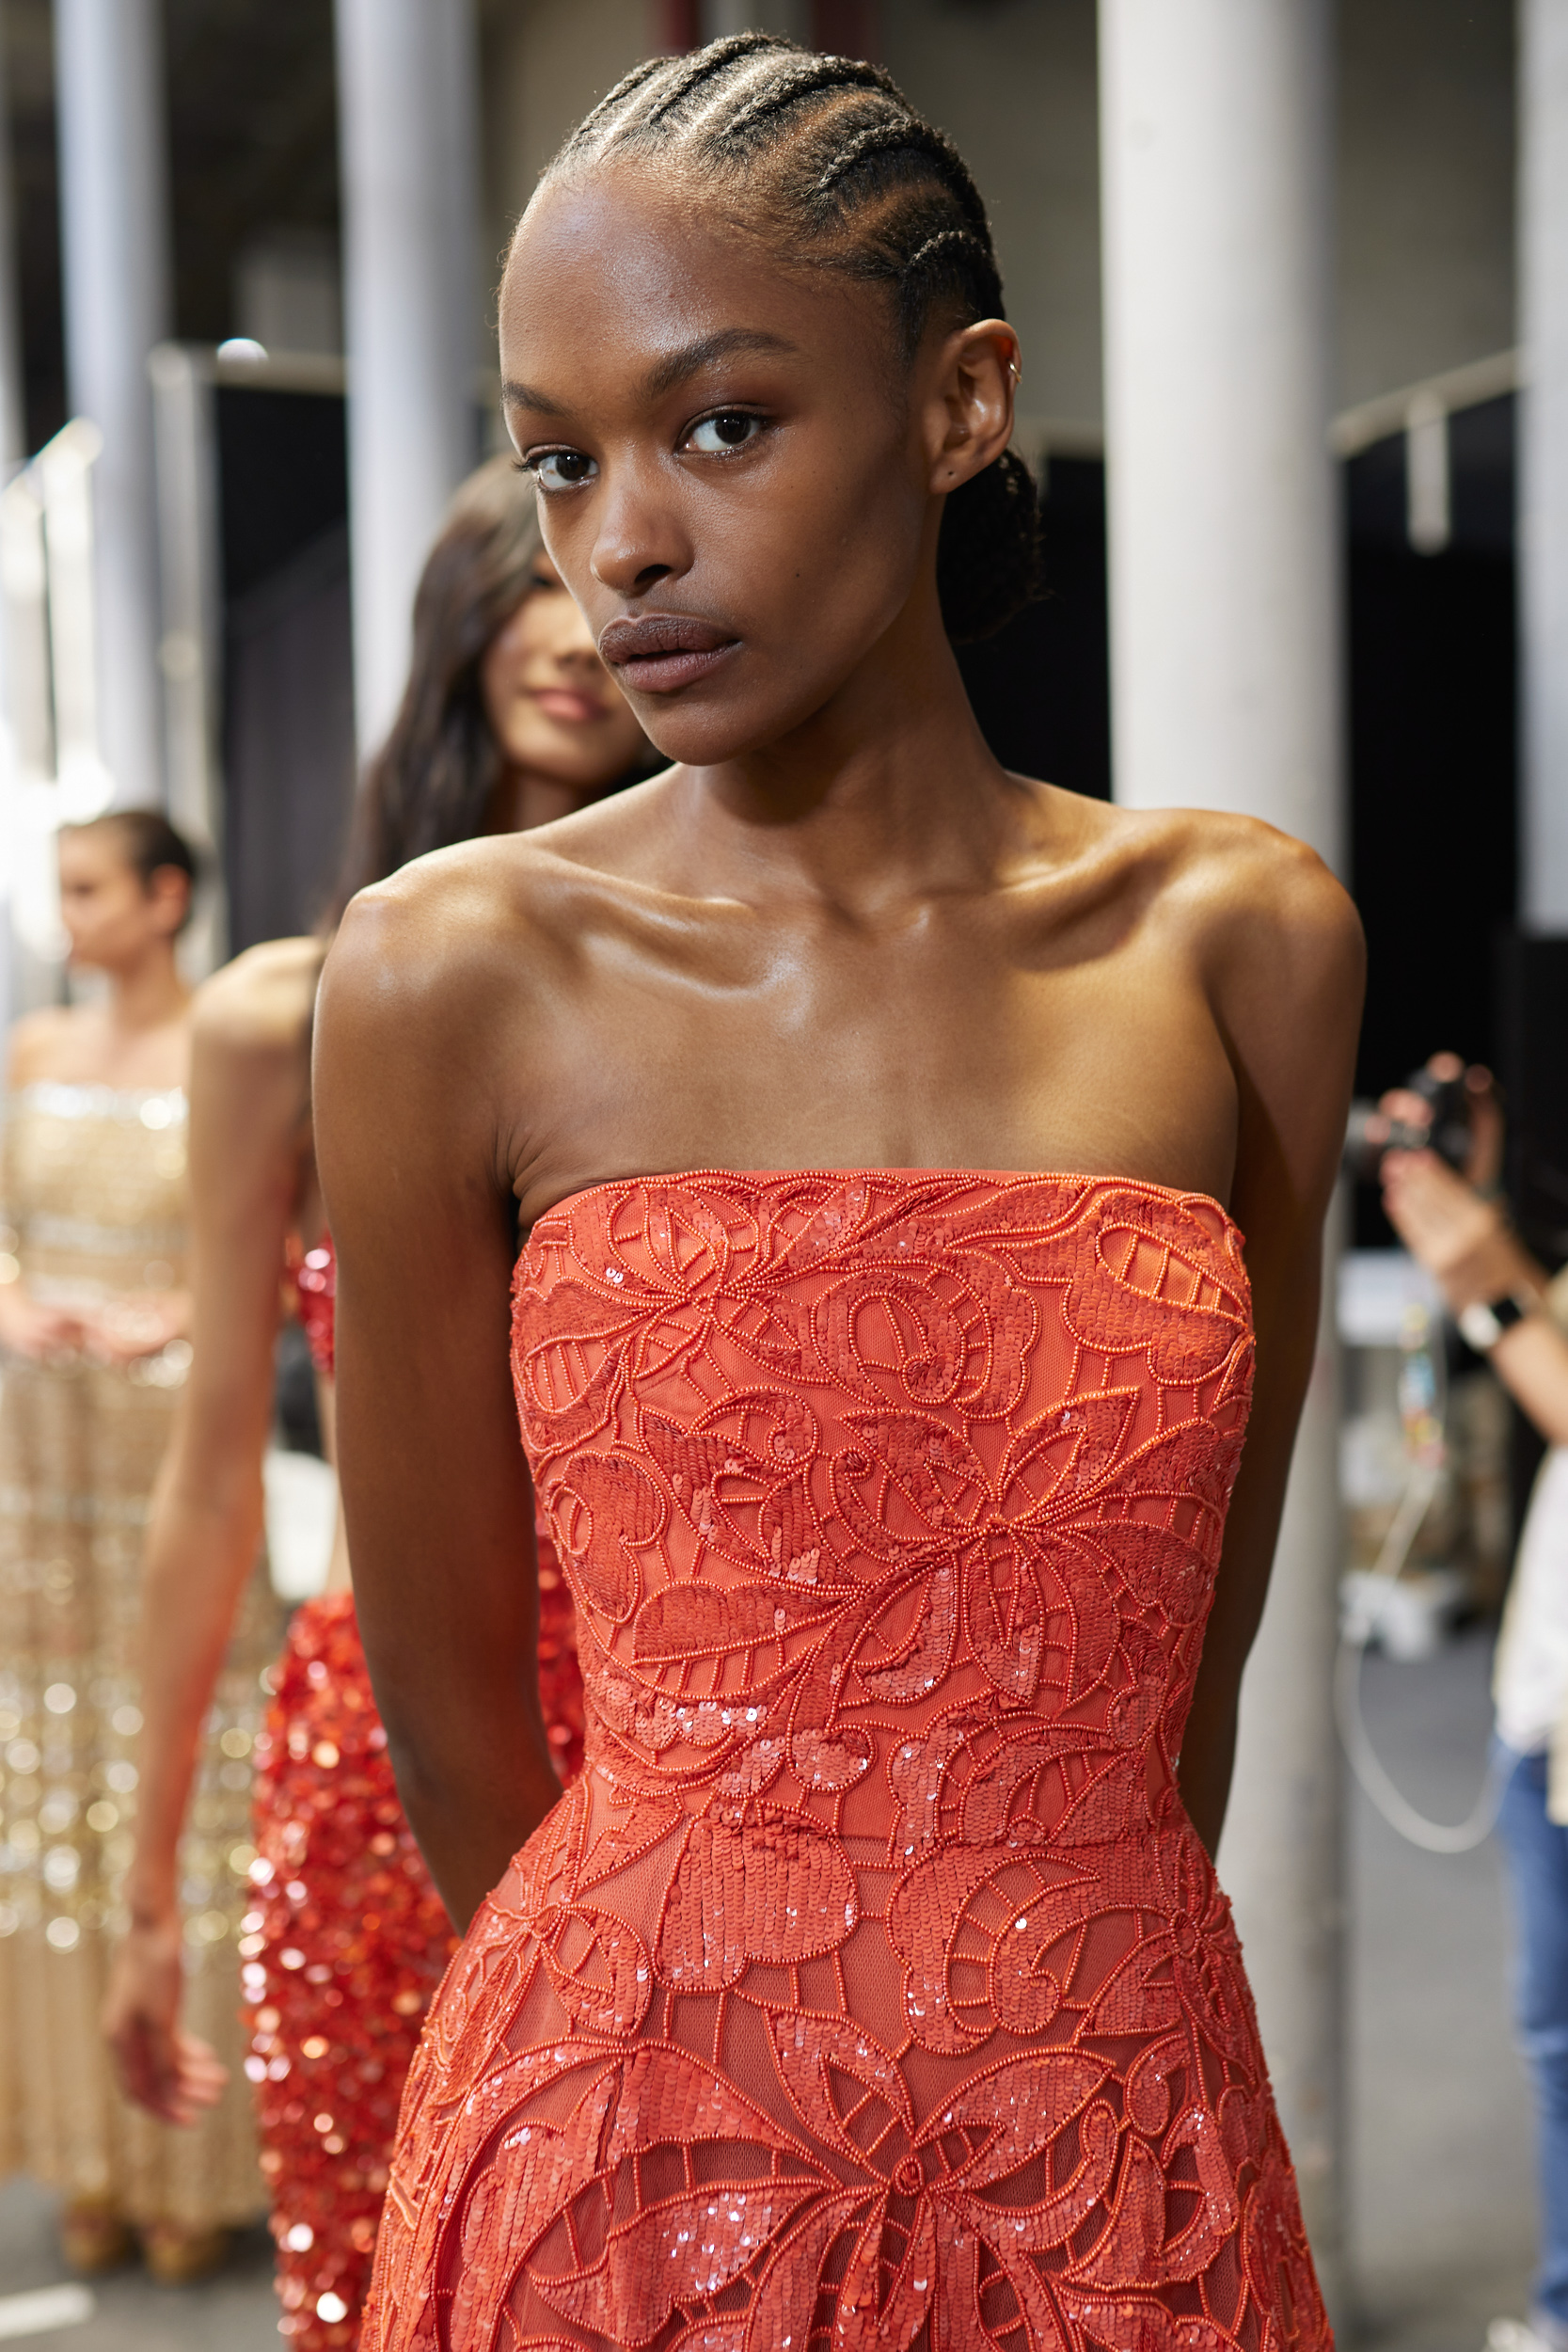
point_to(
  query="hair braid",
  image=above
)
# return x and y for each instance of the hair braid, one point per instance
(910, 135)
(852, 177)
(812, 76)
(703, 65)
(613, 101)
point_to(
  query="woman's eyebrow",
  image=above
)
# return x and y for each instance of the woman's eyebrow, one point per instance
(675, 368)
(524, 396)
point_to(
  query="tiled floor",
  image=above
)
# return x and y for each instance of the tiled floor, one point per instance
(1441, 2193)
(234, 2312)
(1442, 2198)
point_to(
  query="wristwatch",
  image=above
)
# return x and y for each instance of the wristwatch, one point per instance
(1482, 1323)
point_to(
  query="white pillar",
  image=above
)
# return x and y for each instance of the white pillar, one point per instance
(1217, 167)
(108, 72)
(1543, 461)
(413, 310)
(14, 426)
(14, 447)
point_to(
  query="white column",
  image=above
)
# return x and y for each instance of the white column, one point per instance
(13, 430)
(14, 663)
(1216, 164)
(413, 310)
(1543, 460)
(108, 72)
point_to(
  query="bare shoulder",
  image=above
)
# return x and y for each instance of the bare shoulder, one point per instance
(35, 1043)
(1274, 942)
(1264, 913)
(408, 946)
(260, 1005)
(1237, 895)
(447, 928)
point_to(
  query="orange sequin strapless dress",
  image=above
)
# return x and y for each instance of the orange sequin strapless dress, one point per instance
(346, 1937)
(871, 1988)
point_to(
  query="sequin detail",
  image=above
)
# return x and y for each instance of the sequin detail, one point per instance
(346, 1937)
(345, 1942)
(94, 1200)
(872, 1986)
(313, 1274)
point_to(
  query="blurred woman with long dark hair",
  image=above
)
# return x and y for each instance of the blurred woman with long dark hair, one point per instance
(508, 719)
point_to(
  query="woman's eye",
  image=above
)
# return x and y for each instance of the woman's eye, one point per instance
(560, 469)
(717, 437)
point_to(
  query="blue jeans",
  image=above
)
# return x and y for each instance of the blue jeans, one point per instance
(1538, 1862)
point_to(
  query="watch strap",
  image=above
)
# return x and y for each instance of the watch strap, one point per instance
(1482, 1323)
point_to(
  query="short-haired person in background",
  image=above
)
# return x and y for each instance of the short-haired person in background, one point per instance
(1514, 1314)
(93, 1323)
(508, 719)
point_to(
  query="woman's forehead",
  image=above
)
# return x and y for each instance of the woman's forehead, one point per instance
(627, 238)
(644, 273)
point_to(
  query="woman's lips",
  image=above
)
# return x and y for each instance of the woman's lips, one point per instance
(565, 703)
(664, 651)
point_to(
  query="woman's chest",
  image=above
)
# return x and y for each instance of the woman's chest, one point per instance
(848, 1058)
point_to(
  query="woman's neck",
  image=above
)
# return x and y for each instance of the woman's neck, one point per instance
(522, 798)
(148, 994)
(886, 793)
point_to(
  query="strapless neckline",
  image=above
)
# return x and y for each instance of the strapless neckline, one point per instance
(872, 1968)
(1004, 1176)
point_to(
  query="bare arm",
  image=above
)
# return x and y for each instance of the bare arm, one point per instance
(248, 1104)
(1287, 989)
(435, 1486)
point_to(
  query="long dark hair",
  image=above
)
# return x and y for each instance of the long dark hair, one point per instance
(826, 155)
(431, 783)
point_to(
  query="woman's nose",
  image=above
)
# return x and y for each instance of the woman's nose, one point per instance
(640, 540)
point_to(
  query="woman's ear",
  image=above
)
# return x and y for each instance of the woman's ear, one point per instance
(169, 889)
(969, 403)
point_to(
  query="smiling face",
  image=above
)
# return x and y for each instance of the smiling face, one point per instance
(552, 706)
(735, 467)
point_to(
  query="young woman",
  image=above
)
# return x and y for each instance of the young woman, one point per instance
(874, 1979)
(93, 1322)
(509, 718)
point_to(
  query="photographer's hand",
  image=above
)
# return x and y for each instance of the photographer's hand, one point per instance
(1461, 1239)
(1467, 1244)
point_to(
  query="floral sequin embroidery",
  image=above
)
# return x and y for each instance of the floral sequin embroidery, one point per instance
(871, 1987)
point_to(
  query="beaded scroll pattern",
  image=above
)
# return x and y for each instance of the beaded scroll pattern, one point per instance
(871, 1986)
(346, 1937)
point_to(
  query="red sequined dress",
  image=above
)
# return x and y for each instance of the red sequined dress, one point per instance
(346, 1938)
(871, 1987)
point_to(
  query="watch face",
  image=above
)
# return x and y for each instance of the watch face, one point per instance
(1479, 1326)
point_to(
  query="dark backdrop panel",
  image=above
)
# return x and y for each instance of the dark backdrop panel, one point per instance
(1433, 749)
(289, 753)
(288, 718)
(1042, 687)
(283, 477)
(1432, 753)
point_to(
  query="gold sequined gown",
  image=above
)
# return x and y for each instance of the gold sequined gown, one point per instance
(94, 1191)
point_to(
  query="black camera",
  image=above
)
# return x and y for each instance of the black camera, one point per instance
(1369, 1132)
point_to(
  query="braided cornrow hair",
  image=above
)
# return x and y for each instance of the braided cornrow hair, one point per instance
(850, 176)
